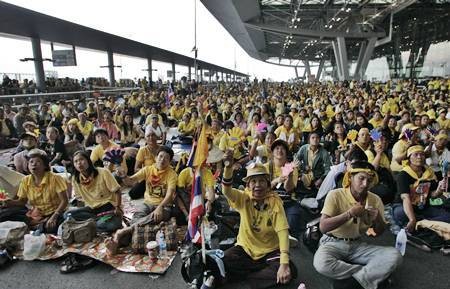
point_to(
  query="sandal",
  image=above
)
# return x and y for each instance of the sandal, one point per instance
(75, 263)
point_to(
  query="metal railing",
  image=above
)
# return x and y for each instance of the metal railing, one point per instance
(35, 99)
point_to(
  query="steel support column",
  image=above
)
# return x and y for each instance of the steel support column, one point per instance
(38, 65)
(337, 59)
(307, 69)
(189, 73)
(357, 75)
(112, 79)
(319, 70)
(221, 77)
(343, 57)
(173, 72)
(201, 74)
(296, 72)
(367, 55)
(210, 75)
(150, 70)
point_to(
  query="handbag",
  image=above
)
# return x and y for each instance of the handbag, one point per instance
(142, 234)
(78, 231)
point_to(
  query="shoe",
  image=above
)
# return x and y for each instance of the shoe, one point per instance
(293, 242)
(75, 263)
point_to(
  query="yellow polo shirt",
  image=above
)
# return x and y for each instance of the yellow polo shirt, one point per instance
(277, 172)
(258, 230)
(339, 201)
(186, 177)
(177, 113)
(157, 182)
(145, 156)
(384, 161)
(45, 195)
(399, 148)
(100, 191)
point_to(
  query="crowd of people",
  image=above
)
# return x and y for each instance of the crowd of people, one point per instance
(341, 151)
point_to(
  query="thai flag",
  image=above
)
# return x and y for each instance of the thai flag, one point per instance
(196, 209)
(169, 95)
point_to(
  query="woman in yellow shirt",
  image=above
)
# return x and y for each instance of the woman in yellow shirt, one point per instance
(144, 158)
(261, 253)
(186, 127)
(130, 134)
(100, 192)
(44, 191)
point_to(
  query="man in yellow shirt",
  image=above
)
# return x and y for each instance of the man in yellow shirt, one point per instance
(347, 213)
(177, 111)
(261, 253)
(161, 183)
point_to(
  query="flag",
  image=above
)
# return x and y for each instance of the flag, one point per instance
(196, 209)
(201, 153)
(169, 95)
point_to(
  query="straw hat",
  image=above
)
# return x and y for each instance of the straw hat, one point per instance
(255, 169)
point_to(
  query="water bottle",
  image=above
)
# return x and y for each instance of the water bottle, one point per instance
(400, 242)
(162, 244)
(301, 286)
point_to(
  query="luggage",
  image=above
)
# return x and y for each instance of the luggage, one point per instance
(78, 231)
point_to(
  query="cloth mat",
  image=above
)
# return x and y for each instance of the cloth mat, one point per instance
(125, 260)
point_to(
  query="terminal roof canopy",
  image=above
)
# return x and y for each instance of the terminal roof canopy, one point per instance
(20, 22)
(295, 30)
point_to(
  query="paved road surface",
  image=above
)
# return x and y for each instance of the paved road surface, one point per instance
(419, 270)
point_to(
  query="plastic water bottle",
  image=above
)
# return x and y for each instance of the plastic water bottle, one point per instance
(400, 242)
(162, 244)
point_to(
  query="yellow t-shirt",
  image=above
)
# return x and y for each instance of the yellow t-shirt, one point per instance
(86, 129)
(339, 201)
(291, 136)
(277, 172)
(177, 113)
(384, 161)
(186, 177)
(145, 156)
(98, 152)
(45, 195)
(258, 230)
(186, 128)
(399, 148)
(100, 191)
(157, 183)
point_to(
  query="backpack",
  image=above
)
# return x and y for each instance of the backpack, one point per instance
(194, 271)
(312, 235)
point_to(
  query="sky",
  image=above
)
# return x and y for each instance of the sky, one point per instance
(168, 24)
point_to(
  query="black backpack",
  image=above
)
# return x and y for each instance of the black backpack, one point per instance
(193, 270)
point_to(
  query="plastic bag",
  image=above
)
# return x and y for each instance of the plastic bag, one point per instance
(11, 233)
(33, 246)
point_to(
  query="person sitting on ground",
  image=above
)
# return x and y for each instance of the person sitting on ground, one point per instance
(99, 191)
(347, 213)
(144, 158)
(107, 123)
(8, 136)
(28, 141)
(285, 185)
(416, 184)
(104, 144)
(438, 152)
(130, 134)
(44, 191)
(315, 161)
(161, 183)
(187, 127)
(261, 253)
(86, 128)
(408, 137)
(54, 148)
(377, 156)
(72, 132)
(158, 128)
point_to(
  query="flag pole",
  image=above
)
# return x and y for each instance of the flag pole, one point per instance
(195, 39)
